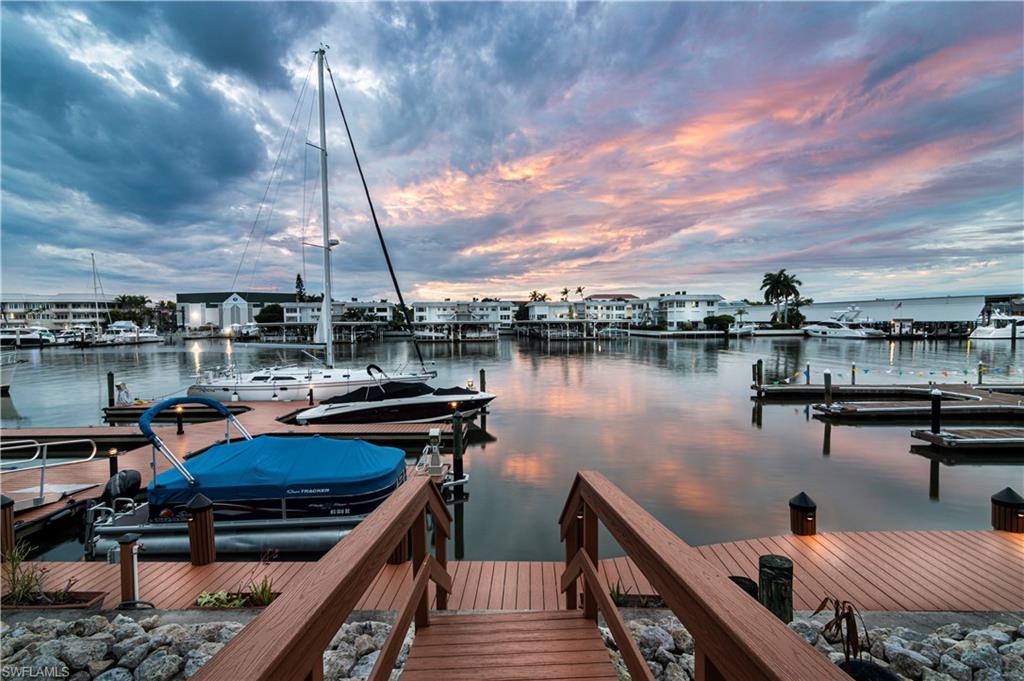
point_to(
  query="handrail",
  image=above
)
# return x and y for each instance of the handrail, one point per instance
(44, 465)
(735, 638)
(20, 444)
(631, 656)
(286, 642)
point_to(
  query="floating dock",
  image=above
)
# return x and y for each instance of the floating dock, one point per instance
(974, 438)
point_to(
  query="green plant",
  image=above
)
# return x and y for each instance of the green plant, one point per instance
(24, 582)
(618, 592)
(261, 592)
(58, 597)
(221, 599)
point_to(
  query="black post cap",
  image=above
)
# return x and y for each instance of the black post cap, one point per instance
(802, 502)
(200, 502)
(129, 538)
(6, 501)
(1008, 497)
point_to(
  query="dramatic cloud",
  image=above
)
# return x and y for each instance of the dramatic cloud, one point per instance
(872, 149)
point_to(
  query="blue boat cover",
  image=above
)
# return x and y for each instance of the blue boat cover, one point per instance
(268, 467)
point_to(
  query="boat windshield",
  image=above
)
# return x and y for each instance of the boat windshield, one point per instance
(392, 390)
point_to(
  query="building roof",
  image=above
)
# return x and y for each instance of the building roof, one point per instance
(611, 296)
(56, 297)
(920, 309)
(248, 296)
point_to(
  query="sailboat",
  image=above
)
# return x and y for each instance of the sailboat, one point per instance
(307, 382)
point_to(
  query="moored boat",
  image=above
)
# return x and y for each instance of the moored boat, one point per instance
(999, 327)
(397, 403)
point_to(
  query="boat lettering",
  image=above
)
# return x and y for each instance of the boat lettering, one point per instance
(307, 490)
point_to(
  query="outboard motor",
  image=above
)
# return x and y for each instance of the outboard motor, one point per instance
(126, 483)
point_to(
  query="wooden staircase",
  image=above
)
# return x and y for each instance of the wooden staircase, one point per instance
(508, 647)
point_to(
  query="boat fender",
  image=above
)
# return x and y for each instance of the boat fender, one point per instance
(126, 483)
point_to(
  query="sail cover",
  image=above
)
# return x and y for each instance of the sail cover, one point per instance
(268, 467)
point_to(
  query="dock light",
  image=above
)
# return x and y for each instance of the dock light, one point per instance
(579, 514)
(434, 468)
(802, 512)
(453, 405)
(112, 460)
(470, 384)
(1008, 511)
(179, 410)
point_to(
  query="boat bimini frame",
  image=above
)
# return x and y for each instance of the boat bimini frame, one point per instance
(146, 421)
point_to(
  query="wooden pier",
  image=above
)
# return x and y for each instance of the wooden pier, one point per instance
(974, 438)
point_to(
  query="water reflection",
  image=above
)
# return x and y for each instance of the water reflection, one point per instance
(670, 422)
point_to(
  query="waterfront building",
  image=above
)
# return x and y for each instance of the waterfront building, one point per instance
(222, 309)
(500, 312)
(56, 311)
(671, 310)
(682, 310)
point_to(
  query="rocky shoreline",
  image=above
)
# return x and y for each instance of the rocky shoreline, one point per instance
(951, 652)
(96, 648)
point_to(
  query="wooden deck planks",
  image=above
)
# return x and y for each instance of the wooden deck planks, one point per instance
(901, 570)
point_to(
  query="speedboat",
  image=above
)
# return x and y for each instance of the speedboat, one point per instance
(45, 335)
(287, 383)
(999, 327)
(20, 337)
(737, 329)
(397, 403)
(293, 494)
(833, 329)
(128, 333)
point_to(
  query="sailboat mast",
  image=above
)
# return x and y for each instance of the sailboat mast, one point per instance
(95, 291)
(325, 309)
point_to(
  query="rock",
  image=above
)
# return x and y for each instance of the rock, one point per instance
(988, 675)
(892, 643)
(931, 652)
(337, 665)
(122, 647)
(48, 666)
(908, 634)
(1013, 667)
(364, 644)
(651, 637)
(159, 666)
(184, 646)
(955, 630)
(126, 631)
(823, 646)
(663, 657)
(1015, 648)
(193, 663)
(805, 630)
(134, 657)
(689, 664)
(960, 648)
(363, 668)
(229, 631)
(115, 674)
(81, 675)
(656, 669)
(606, 636)
(208, 631)
(16, 642)
(1009, 629)
(682, 640)
(83, 627)
(1020, 629)
(168, 634)
(151, 622)
(98, 667)
(955, 668)
(42, 625)
(906, 662)
(673, 672)
(991, 636)
(122, 620)
(52, 648)
(78, 653)
(620, 667)
(210, 648)
(983, 656)
(931, 675)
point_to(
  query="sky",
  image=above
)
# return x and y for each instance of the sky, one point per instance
(871, 149)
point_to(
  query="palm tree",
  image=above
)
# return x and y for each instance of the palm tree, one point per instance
(579, 291)
(772, 285)
(740, 312)
(534, 296)
(565, 294)
(790, 290)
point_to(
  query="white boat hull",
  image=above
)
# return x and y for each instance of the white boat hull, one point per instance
(293, 390)
(993, 333)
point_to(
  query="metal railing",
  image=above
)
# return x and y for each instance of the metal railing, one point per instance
(42, 450)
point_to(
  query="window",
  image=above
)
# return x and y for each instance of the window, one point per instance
(212, 306)
(696, 303)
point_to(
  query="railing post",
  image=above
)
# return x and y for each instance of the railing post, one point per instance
(704, 669)
(572, 546)
(590, 546)
(129, 576)
(457, 472)
(775, 585)
(419, 552)
(441, 555)
(936, 396)
(6, 525)
(201, 547)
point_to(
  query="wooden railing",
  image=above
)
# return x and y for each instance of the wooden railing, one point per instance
(287, 641)
(734, 637)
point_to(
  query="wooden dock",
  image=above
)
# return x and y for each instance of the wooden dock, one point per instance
(879, 571)
(1003, 393)
(974, 438)
(68, 486)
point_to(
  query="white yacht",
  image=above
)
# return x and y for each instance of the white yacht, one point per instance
(999, 327)
(298, 382)
(19, 337)
(832, 329)
(45, 335)
(738, 329)
(851, 317)
(126, 332)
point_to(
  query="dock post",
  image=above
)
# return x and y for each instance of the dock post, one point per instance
(853, 374)
(1013, 334)
(129, 568)
(178, 417)
(936, 395)
(201, 547)
(1008, 511)
(807, 374)
(828, 387)
(775, 585)
(933, 479)
(112, 461)
(826, 444)
(6, 525)
(981, 370)
(483, 380)
(802, 515)
(110, 388)
(457, 470)
(753, 373)
(760, 372)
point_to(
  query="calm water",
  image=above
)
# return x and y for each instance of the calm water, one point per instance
(669, 421)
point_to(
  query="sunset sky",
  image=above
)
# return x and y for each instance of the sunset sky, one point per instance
(872, 149)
